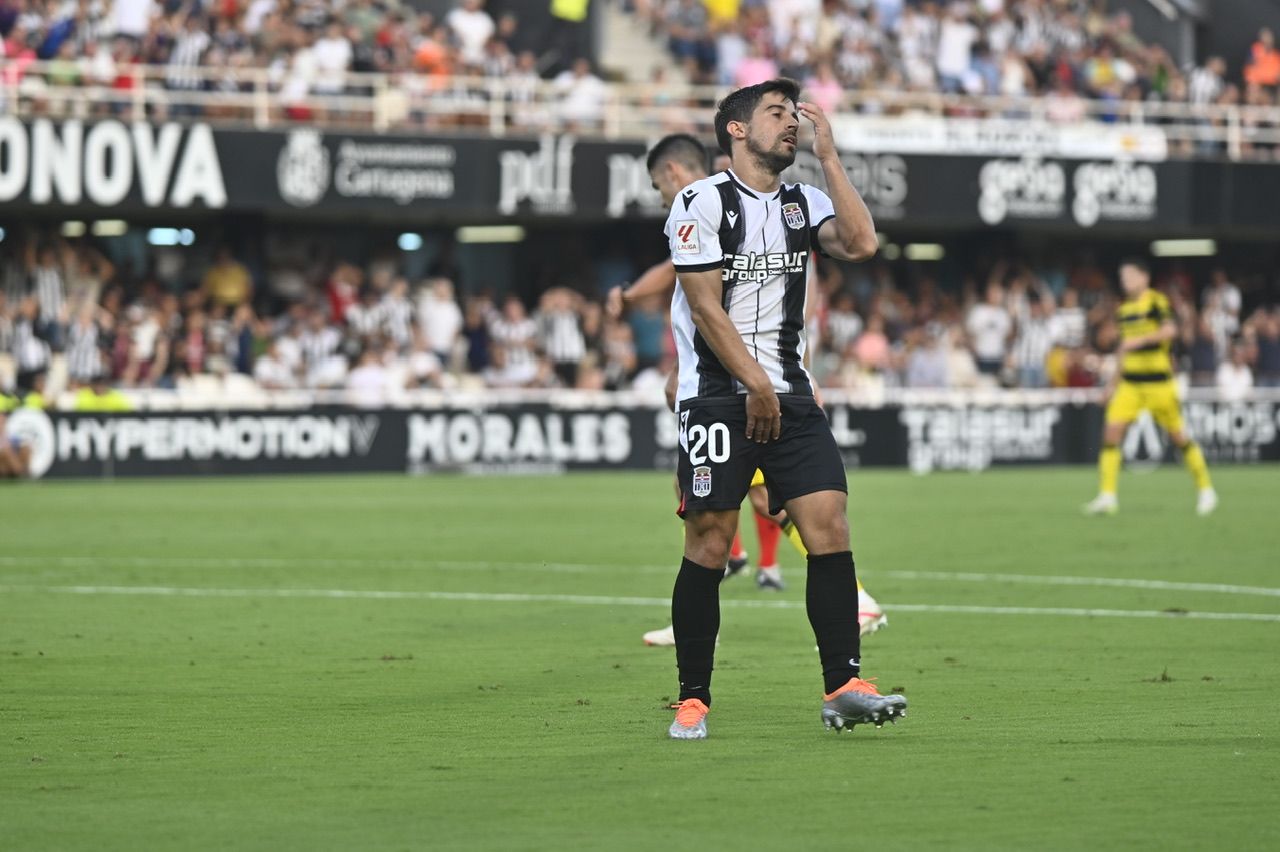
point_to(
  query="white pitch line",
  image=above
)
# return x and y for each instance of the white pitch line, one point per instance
(1109, 582)
(576, 568)
(606, 600)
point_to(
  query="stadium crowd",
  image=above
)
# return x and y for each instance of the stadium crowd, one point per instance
(1064, 50)
(369, 333)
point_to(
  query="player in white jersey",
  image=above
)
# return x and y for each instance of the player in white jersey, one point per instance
(673, 163)
(740, 241)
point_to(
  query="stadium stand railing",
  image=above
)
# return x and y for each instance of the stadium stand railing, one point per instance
(260, 98)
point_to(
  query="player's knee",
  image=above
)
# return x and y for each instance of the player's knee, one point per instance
(831, 535)
(708, 554)
(708, 538)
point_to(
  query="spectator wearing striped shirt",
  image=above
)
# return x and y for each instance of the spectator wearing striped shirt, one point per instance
(84, 347)
(560, 334)
(30, 348)
(1034, 339)
(514, 336)
(188, 50)
(47, 282)
(324, 363)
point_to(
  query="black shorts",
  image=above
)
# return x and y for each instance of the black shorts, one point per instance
(717, 460)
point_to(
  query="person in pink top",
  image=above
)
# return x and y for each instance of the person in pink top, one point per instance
(872, 346)
(823, 88)
(755, 68)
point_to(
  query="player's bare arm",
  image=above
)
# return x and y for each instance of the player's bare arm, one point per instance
(704, 291)
(657, 280)
(851, 235)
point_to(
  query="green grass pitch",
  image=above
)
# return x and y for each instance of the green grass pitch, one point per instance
(455, 663)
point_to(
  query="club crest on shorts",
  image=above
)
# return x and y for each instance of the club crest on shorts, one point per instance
(701, 481)
(792, 213)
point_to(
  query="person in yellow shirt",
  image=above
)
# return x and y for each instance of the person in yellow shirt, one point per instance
(227, 282)
(1147, 330)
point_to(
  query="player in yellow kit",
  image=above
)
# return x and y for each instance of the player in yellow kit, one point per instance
(1146, 383)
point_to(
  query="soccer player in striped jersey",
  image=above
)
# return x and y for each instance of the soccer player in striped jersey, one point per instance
(675, 162)
(740, 241)
(1147, 330)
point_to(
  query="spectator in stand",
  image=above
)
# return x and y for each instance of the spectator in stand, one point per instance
(1033, 342)
(757, 67)
(47, 281)
(1222, 321)
(424, 368)
(475, 331)
(560, 334)
(1263, 66)
(989, 326)
(1205, 83)
(871, 350)
(271, 371)
(29, 341)
(472, 26)
(1235, 379)
(926, 365)
(582, 96)
(227, 281)
(956, 39)
(689, 38)
(1267, 343)
(823, 88)
(332, 55)
(1063, 105)
(440, 317)
(1202, 354)
(369, 385)
(843, 324)
(323, 363)
(186, 56)
(514, 337)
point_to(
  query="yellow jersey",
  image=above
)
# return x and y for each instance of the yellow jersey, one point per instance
(1139, 317)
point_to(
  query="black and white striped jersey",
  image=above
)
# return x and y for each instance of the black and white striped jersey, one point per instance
(761, 243)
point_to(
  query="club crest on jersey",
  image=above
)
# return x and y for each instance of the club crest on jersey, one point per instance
(701, 481)
(687, 237)
(792, 213)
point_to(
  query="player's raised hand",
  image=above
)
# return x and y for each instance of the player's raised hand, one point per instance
(824, 141)
(613, 302)
(764, 416)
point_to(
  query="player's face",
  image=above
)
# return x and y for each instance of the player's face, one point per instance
(772, 133)
(1133, 280)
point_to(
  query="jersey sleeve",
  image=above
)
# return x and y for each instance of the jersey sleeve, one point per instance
(820, 210)
(693, 230)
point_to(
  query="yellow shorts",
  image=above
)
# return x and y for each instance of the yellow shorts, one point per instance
(758, 478)
(1160, 398)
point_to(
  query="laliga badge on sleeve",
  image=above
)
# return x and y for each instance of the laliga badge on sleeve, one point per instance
(701, 481)
(687, 237)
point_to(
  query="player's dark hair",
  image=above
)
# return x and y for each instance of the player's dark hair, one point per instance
(1137, 262)
(739, 105)
(682, 148)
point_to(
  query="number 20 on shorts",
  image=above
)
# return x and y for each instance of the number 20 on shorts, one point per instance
(713, 439)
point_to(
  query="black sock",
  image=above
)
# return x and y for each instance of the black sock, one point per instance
(831, 597)
(695, 615)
